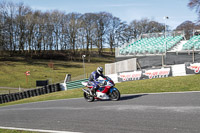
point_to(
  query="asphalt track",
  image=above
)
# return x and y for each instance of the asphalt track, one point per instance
(142, 113)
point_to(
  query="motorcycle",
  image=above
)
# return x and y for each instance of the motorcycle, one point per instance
(106, 90)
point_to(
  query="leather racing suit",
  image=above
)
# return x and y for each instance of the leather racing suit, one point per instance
(93, 78)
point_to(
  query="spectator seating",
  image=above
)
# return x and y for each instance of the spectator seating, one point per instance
(194, 42)
(151, 45)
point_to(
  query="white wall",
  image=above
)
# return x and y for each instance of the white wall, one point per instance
(121, 66)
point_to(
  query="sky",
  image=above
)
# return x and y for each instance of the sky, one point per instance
(126, 10)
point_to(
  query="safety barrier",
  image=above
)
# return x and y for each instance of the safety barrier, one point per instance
(75, 84)
(4, 98)
(174, 70)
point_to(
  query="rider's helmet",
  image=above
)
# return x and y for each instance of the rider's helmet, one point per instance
(100, 70)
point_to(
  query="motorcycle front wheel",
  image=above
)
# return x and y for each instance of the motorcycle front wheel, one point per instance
(88, 97)
(115, 95)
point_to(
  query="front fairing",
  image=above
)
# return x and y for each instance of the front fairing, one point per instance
(105, 85)
(111, 89)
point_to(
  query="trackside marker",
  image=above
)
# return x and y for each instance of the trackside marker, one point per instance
(36, 130)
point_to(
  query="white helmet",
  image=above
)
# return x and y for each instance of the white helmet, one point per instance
(100, 70)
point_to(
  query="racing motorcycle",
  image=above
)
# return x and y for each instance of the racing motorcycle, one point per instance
(106, 90)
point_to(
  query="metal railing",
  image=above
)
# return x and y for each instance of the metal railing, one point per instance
(75, 84)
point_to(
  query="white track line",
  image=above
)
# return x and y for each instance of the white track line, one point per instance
(36, 130)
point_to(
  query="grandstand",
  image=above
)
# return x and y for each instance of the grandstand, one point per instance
(161, 49)
(158, 44)
(151, 46)
(193, 43)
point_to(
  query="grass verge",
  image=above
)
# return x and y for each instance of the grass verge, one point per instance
(14, 131)
(13, 71)
(170, 84)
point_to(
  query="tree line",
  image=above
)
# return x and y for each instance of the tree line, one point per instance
(25, 30)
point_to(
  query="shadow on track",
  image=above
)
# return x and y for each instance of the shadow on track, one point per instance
(123, 98)
(131, 97)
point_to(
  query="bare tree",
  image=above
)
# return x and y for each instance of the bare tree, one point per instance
(73, 25)
(102, 26)
(7, 25)
(22, 11)
(113, 30)
(32, 31)
(145, 25)
(187, 27)
(195, 4)
(88, 23)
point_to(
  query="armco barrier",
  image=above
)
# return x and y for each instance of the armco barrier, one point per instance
(75, 84)
(4, 98)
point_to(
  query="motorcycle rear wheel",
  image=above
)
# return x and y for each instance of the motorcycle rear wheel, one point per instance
(115, 95)
(88, 97)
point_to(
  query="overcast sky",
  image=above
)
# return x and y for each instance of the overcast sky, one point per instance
(126, 10)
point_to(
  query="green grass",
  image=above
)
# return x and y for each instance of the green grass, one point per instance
(170, 84)
(14, 131)
(13, 72)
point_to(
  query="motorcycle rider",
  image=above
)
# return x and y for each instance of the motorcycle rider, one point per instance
(93, 79)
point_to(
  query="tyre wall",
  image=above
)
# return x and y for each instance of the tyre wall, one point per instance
(4, 98)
